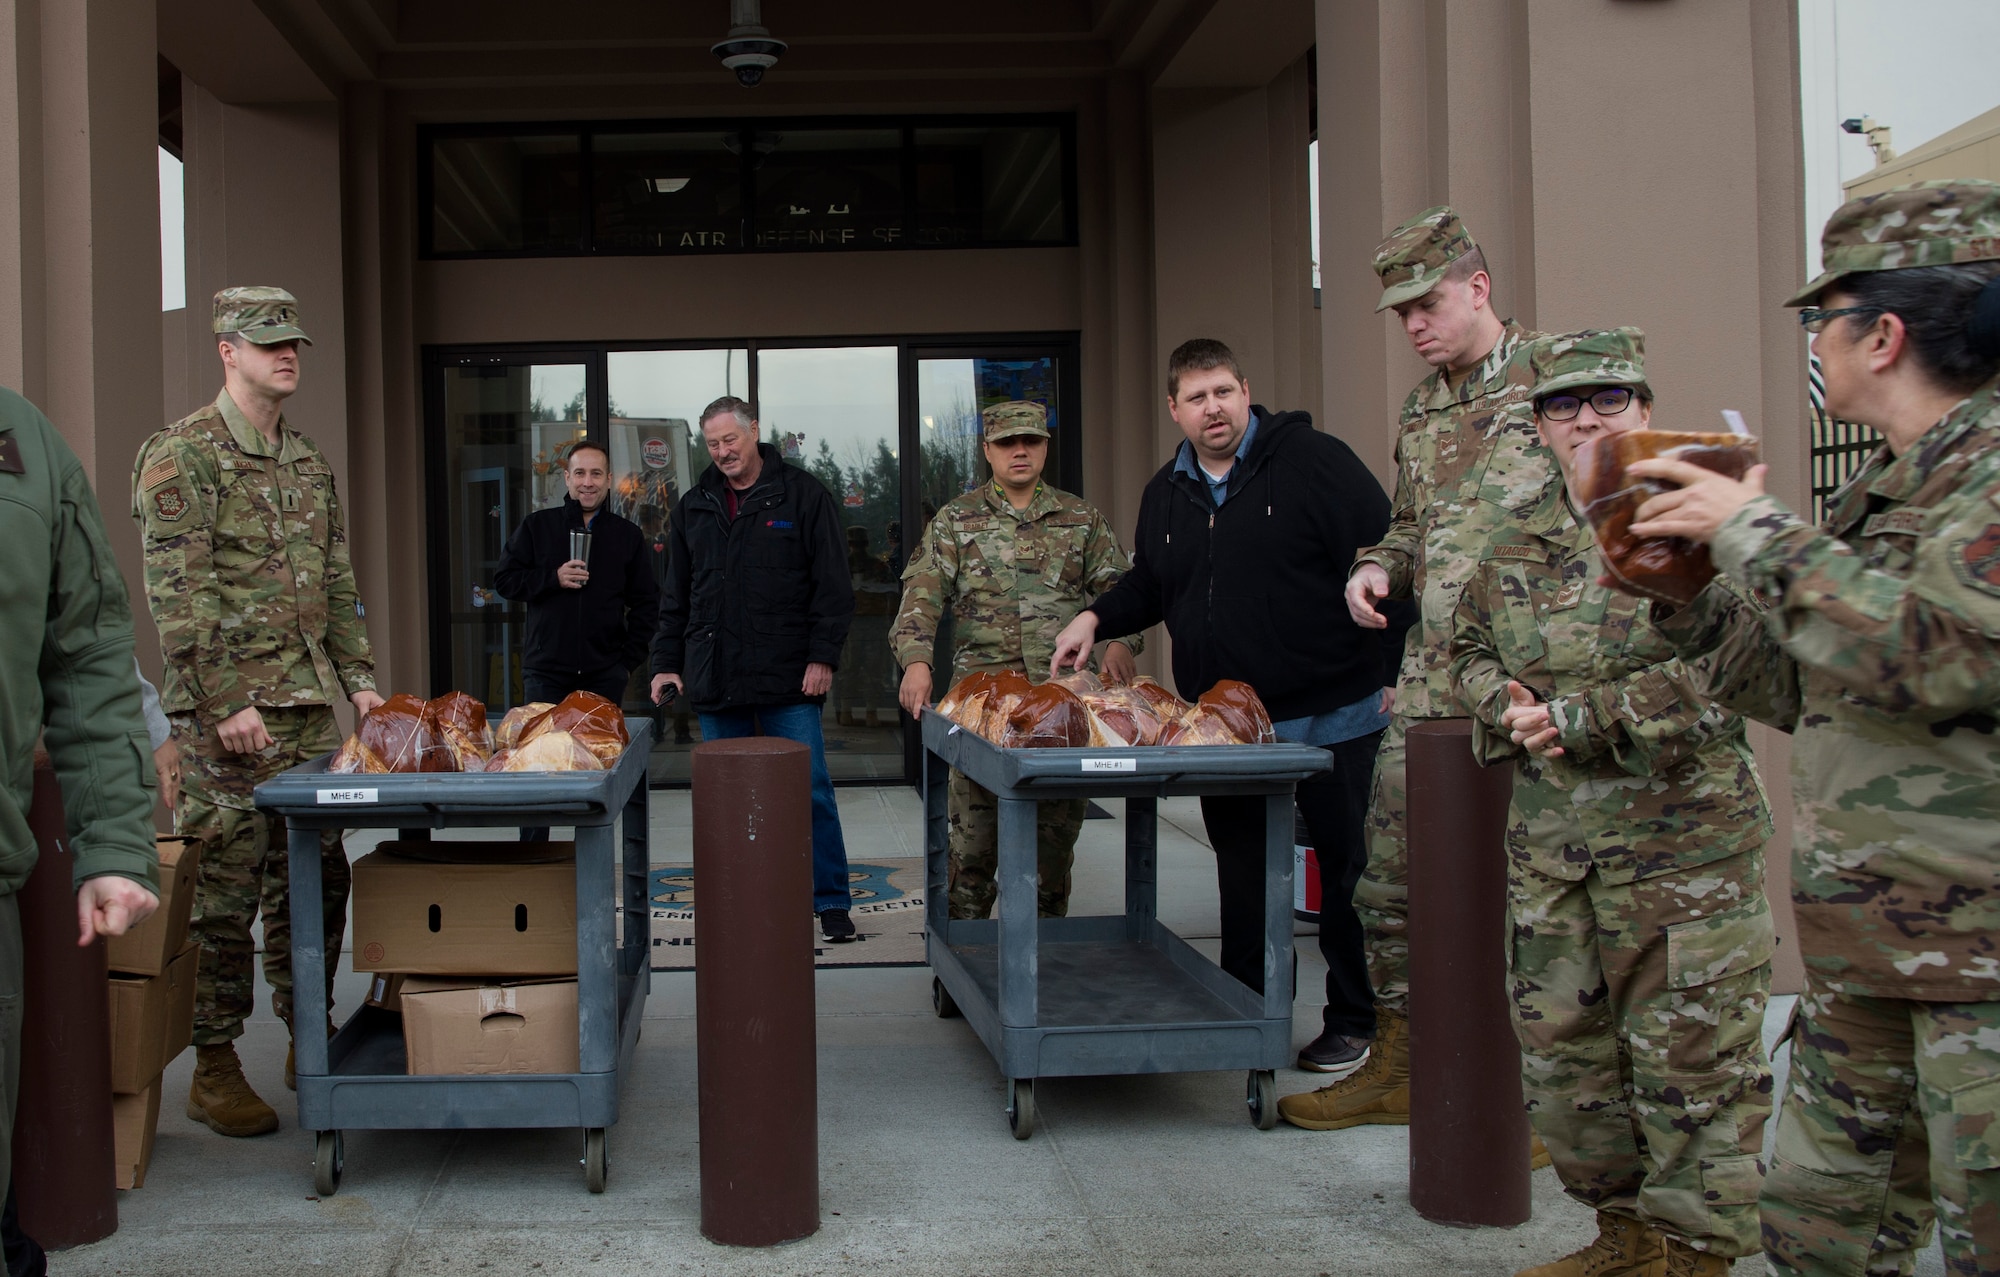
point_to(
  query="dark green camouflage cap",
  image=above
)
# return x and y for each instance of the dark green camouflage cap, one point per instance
(1015, 417)
(1922, 224)
(1417, 254)
(1592, 357)
(265, 316)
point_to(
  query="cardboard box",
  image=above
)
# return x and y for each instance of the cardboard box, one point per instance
(386, 991)
(147, 948)
(134, 1119)
(466, 908)
(152, 1021)
(489, 1026)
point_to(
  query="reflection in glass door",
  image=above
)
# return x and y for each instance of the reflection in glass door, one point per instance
(834, 413)
(508, 428)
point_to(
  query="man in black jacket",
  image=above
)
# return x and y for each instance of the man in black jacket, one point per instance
(1242, 548)
(755, 610)
(589, 617)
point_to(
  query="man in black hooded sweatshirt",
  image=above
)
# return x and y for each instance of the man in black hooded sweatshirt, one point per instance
(1243, 547)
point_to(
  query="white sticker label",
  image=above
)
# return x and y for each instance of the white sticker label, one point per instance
(1111, 764)
(346, 796)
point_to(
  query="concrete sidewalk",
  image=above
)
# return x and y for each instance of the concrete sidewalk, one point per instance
(918, 1173)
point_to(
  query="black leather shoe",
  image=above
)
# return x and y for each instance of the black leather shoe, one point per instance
(1335, 1053)
(835, 925)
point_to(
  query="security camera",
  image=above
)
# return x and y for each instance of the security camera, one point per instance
(750, 50)
(1846, 126)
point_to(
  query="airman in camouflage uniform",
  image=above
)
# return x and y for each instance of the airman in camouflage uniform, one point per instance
(1469, 465)
(1881, 653)
(1640, 936)
(248, 579)
(1010, 575)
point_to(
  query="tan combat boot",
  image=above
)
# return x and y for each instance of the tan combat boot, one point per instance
(221, 1098)
(1538, 1152)
(1624, 1248)
(1684, 1260)
(1377, 1093)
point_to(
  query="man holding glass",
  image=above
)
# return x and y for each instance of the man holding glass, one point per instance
(587, 577)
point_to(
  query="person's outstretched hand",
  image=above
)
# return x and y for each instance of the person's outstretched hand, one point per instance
(110, 906)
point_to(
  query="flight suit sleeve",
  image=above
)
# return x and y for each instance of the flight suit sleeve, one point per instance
(174, 499)
(1105, 563)
(347, 643)
(1646, 721)
(1739, 663)
(92, 720)
(1401, 546)
(1477, 670)
(1924, 643)
(930, 582)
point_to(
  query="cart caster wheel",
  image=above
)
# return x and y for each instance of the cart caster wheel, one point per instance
(947, 1007)
(593, 1159)
(1262, 1096)
(1021, 1107)
(329, 1160)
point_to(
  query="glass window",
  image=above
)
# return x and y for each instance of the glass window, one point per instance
(828, 188)
(667, 192)
(518, 193)
(834, 412)
(508, 429)
(999, 184)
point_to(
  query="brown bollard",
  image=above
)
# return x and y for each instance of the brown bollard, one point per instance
(64, 1163)
(1468, 1129)
(753, 989)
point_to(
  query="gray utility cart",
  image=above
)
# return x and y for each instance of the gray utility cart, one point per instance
(360, 1078)
(1061, 997)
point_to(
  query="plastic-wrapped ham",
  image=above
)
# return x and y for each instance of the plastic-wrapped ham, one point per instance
(553, 751)
(1670, 569)
(1238, 705)
(355, 758)
(396, 732)
(1047, 717)
(459, 723)
(517, 721)
(1009, 689)
(962, 692)
(1202, 726)
(1165, 705)
(1124, 716)
(1082, 682)
(592, 721)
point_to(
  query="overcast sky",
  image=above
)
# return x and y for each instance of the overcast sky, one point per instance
(1922, 67)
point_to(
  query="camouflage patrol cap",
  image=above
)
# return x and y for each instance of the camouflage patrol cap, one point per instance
(1015, 417)
(1922, 224)
(266, 316)
(1592, 357)
(1416, 255)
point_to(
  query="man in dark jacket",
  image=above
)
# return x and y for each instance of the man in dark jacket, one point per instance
(590, 616)
(1242, 548)
(756, 608)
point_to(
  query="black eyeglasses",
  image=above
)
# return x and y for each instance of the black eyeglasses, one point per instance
(1814, 320)
(1608, 401)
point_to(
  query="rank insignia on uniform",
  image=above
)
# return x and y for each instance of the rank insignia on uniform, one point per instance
(170, 504)
(1982, 559)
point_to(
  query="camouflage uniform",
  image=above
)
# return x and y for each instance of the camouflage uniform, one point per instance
(1010, 579)
(1468, 465)
(248, 579)
(1640, 936)
(1880, 655)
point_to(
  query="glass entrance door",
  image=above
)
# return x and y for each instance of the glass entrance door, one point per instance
(507, 428)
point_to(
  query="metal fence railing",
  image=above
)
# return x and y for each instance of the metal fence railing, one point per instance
(1839, 448)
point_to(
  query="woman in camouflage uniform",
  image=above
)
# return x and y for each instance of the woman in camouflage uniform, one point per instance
(1640, 936)
(1882, 651)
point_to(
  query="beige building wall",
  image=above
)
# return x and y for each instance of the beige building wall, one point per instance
(1970, 150)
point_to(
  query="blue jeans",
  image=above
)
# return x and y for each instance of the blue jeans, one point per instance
(799, 723)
